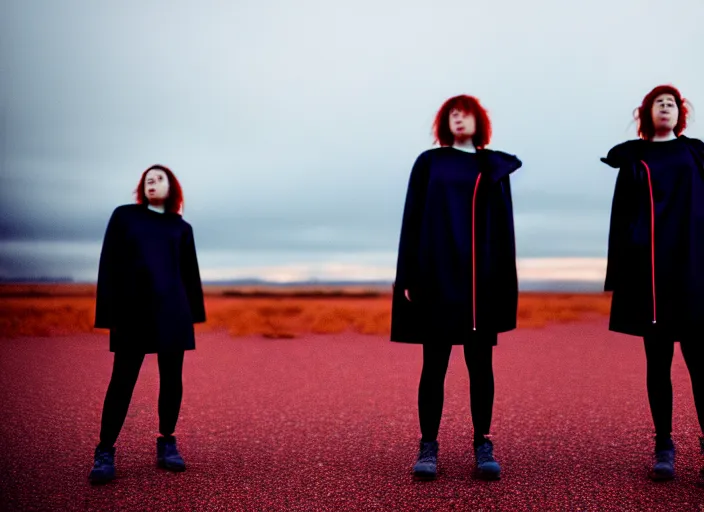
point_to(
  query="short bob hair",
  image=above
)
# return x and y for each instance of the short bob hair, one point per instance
(644, 117)
(173, 203)
(468, 105)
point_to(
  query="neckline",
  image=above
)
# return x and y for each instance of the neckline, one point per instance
(473, 150)
(663, 141)
(155, 210)
(462, 150)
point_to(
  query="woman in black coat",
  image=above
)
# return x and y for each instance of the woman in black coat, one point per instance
(149, 295)
(456, 281)
(656, 255)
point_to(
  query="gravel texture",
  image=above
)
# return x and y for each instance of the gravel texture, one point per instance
(329, 423)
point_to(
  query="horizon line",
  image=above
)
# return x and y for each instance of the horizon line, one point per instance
(585, 270)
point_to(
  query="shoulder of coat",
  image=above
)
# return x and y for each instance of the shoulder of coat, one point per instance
(126, 209)
(184, 223)
(627, 146)
(503, 154)
(436, 150)
(699, 144)
(623, 153)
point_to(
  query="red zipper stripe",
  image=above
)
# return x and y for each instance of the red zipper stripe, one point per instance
(474, 255)
(652, 238)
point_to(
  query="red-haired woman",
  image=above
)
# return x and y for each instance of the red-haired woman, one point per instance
(456, 281)
(149, 295)
(656, 255)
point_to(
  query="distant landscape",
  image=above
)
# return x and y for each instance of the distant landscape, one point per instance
(272, 311)
(547, 285)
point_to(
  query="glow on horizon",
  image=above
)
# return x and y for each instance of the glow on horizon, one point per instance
(79, 261)
(529, 269)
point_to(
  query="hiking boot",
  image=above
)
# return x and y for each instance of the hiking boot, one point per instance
(426, 466)
(487, 467)
(103, 465)
(664, 466)
(167, 455)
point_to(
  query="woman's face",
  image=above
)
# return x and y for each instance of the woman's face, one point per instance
(665, 113)
(156, 186)
(462, 125)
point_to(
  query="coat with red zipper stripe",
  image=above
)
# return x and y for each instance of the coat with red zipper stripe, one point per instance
(655, 263)
(457, 253)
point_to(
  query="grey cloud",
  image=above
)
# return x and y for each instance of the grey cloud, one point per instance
(293, 126)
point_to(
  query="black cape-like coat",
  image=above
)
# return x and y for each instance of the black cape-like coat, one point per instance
(149, 290)
(457, 253)
(656, 238)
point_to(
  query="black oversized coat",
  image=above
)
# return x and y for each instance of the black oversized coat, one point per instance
(457, 252)
(655, 263)
(149, 290)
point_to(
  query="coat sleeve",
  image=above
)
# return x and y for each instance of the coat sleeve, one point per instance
(621, 155)
(624, 209)
(106, 300)
(506, 209)
(697, 148)
(407, 263)
(190, 274)
(499, 165)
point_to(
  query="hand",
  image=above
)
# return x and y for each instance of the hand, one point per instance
(407, 294)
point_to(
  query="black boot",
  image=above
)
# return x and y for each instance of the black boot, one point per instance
(103, 465)
(426, 465)
(167, 455)
(664, 466)
(487, 468)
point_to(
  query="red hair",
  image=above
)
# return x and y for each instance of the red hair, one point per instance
(468, 105)
(644, 117)
(173, 203)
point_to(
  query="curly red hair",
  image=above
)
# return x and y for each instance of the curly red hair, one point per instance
(643, 114)
(468, 105)
(173, 203)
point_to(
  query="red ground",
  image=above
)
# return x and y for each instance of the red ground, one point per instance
(329, 423)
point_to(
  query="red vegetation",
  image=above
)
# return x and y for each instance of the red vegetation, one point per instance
(45, 310)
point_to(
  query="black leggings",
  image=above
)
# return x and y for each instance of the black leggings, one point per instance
(659, 353)
(124, 377)
(431, 391)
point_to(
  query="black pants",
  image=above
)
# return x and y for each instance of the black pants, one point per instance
(124, 377)
(431, 391)
(659, 352)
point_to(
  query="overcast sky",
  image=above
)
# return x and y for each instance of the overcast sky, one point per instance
(293, 125)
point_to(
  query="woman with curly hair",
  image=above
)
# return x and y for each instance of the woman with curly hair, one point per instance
(656, 255)
(456, 281)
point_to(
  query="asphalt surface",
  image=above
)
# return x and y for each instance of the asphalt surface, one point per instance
(329, 423)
